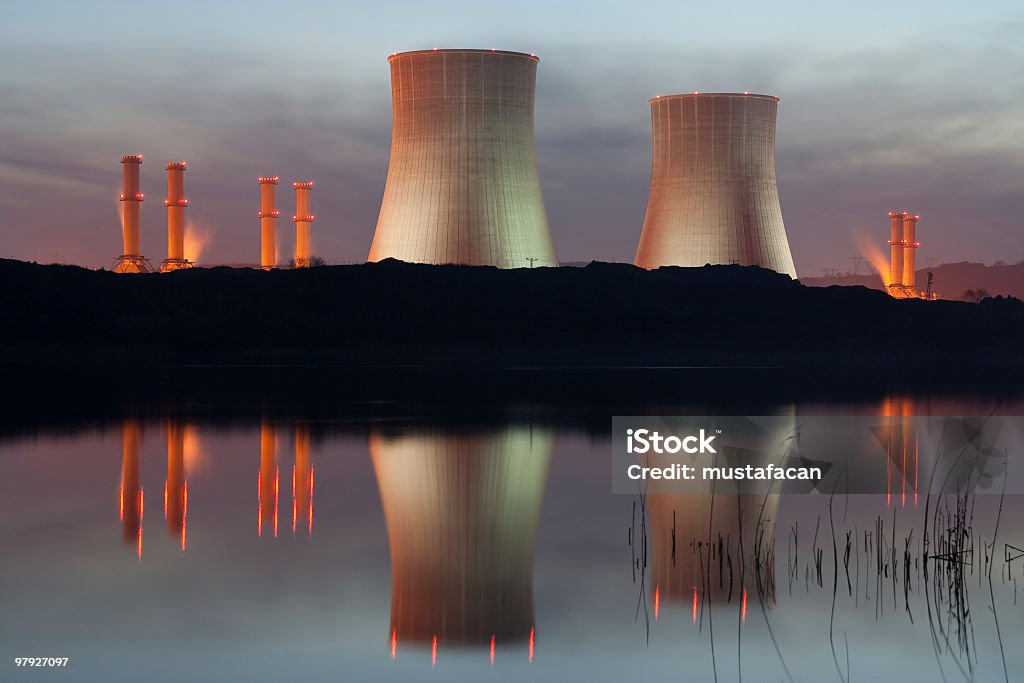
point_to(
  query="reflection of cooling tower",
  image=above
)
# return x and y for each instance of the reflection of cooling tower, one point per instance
(715, 543)
(712, 550)
(462, 183)
(268, 481)
(713, 194)
(462, 514)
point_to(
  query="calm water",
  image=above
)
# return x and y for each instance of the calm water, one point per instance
(280, 550)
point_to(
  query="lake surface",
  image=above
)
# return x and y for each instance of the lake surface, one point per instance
(393, 545)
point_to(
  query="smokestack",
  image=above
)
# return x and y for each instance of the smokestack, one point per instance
(131, 260)
(268, 223)
(910, 244)
(462, 183)
(896, 248)
(302, 220)
(175, 204)
(714, 197)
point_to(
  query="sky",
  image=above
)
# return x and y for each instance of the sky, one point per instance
(884, 105)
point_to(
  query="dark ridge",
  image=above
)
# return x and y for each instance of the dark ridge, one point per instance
(593, 341)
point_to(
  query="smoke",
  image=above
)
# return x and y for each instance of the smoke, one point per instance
(197, 236)
(874, 255)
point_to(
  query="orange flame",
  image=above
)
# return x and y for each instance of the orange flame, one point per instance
(394, 644)
(531, 646)
(876, 257)
(192, 449)
(743, 607)
(259, 504)
(433, 653)
(657, 601)
(196, 239)
(492, 649)
(694, 605)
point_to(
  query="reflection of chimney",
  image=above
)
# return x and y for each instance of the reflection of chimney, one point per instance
(910, 245)
(131, 499)
(176, 204)
(901, 448)
(462, 513)
(896, 247)
(131, 260)
(268, 223)
(268, 479)
(302, 220)
(302, 481)
(176, 488)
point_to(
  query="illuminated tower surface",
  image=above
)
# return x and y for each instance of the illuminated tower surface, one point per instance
(268, 222)
(462, 184)
(462, 514)
(713, 196)
(303, 218)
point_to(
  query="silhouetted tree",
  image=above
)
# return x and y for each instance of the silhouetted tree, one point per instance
(974, 295)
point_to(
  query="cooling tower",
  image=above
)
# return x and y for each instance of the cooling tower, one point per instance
(268, 223)
(302, 220)
(131, 260)
(462, 183)
(176, 205)
(713, 194)
(462, 512)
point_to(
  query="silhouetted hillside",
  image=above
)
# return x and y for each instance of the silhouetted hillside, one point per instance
(391, 311)
(951, 280)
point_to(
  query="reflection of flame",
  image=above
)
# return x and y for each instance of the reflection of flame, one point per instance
(196, 239)
(875, 256)
(193, 450)
(657, 601)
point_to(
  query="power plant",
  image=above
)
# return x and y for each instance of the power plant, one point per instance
(176, 205)
(903, 244)
(462, 184)
(713, 196)
(268, 223)
(131, 259)
(302, 219)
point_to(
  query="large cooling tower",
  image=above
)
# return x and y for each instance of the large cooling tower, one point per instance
(462, 182)
(713, 193)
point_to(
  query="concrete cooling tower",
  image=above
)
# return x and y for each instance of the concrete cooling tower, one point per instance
(462, 512)
(713, 194)
(462, 183)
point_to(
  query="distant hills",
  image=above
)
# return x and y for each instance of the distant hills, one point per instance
(951, 280)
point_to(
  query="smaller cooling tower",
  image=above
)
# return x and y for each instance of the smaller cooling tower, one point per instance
(713, 195)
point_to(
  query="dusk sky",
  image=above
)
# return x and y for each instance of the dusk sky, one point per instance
(910, 105)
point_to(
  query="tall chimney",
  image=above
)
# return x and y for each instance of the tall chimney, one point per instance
(175, 204)
(131, 260)
(910, 244)
(302, 220)
(268, 223)
(896, 246)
